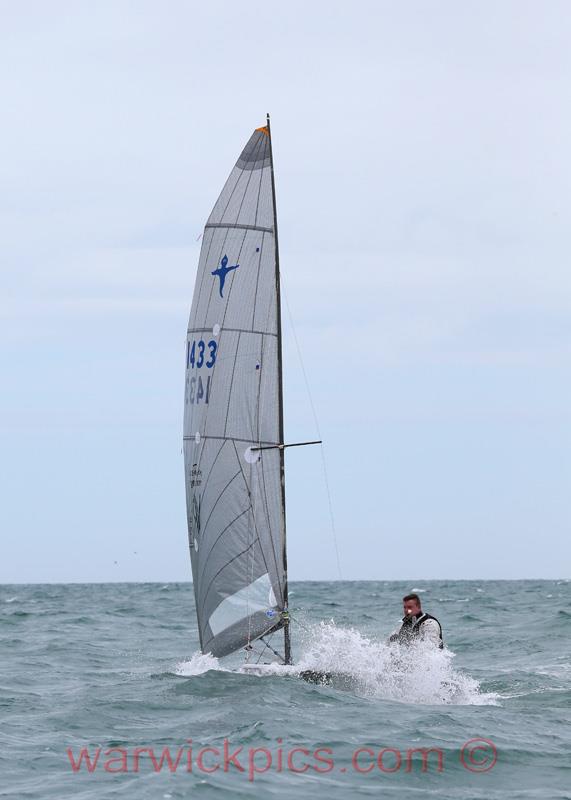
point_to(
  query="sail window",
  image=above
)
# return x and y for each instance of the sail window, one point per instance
(242, 604)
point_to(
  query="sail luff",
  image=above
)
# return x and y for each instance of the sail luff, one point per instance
(287, 638)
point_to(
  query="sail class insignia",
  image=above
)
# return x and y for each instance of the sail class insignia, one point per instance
(222, 271)
(194, 522)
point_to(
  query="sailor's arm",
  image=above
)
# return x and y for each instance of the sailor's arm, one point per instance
(395, 635)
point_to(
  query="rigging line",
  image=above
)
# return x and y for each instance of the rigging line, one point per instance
(297, 622)
(287, 637)
(260, 483)
(257, 536)
(250, 533)
(266, 645)
(316, 421)
(203, 530)
(275, 652)
(262, 463)
(221, 534)
(263, 501)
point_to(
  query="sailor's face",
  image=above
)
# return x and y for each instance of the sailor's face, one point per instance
(411, 608)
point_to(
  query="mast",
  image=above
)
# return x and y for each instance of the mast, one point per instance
(285, 618)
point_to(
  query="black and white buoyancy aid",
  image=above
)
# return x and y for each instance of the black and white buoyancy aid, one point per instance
(411, 628)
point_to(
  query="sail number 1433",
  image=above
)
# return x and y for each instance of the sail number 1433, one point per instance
(200, 354)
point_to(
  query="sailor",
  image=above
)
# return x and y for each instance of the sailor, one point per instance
(417, 625)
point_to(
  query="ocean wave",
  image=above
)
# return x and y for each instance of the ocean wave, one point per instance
(198, 664)
(420, 674)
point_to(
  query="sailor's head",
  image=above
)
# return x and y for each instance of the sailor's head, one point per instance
(411, 605)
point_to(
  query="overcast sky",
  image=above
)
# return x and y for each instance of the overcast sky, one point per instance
(423, 188)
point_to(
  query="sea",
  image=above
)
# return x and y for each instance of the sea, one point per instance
(104, 694)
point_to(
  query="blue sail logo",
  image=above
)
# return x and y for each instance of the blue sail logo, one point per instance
(222, 271)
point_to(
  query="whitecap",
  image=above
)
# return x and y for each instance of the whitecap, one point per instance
(419, 674)
(198, 664)
(554, 670)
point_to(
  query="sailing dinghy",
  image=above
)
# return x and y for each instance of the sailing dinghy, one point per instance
(233, 419)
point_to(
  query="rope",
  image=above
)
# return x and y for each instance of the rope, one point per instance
(297, 622)
(316, 421)
(275, 652)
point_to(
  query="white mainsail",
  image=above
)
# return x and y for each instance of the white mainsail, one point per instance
(233, 405)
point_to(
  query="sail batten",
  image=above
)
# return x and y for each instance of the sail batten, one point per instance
(239, 227)
(236, 330)
(235, 512)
